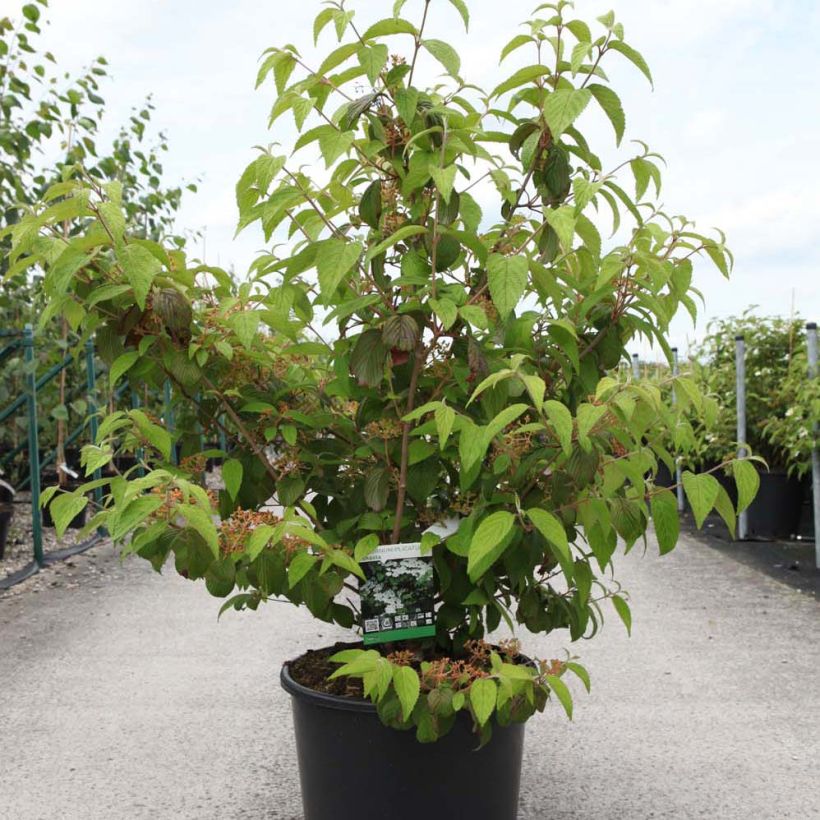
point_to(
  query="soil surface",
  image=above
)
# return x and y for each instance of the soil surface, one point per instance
(314, 667)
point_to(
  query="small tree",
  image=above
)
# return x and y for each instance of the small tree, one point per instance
(408, 355)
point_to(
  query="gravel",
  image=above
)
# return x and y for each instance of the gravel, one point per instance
(122, 696)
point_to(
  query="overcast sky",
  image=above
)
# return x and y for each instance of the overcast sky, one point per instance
(735, 111)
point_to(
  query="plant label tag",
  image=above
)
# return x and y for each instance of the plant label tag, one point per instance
(397, 596)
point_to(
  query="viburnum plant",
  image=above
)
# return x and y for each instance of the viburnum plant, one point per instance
(432, 340)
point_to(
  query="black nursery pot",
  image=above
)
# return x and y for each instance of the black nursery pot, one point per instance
(775, 512)
(6, 514)
(351, 765)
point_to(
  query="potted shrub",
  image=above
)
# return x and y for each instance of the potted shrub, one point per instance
(420, 369)
(778, 404)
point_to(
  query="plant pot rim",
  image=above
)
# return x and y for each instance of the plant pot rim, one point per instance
(328, 701)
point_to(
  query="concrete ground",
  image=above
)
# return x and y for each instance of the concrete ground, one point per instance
(122, 697)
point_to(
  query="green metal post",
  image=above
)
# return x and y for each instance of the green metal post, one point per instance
(93, 421)
(223, 439)
(169, 418)
(33, 444)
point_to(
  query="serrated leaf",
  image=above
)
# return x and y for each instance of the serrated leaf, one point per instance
(562, 221)
(563, 107)
(553, 530)
(489, 541)
(140, 267)
(561, 420)
(445, 310)
(461, 7)
(202, 522)
(561, 691)
(407, 99)
(121, 365)
(444, 416)
(232, 476)
(400, 332)
(747, 480)
(483, 695)
(405, 232)
(388, 26)
(127, 519)
(516, 43)
(723, 505)
(445, 54)
(407, 685)
(299, 567)
(368, 358)
(611, 105)
(258, 540)
(522, 76)
(507, 278)
(245, 325)
(633, 56)
(64, 508)
(377, 488)
(702, 491)
(365, 546)
(334, 260)
(580, 52)
(624, 613)
(445, 179)
(372, 59)
(664, 508)
(588, 416)
(341, 559)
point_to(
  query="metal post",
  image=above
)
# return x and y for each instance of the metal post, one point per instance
(678, 480)
(223, 439)
(93, 421)
(740, 375)
(636, 367)
(33, 444)
(139, 453)
(169, 418)
(811, 344)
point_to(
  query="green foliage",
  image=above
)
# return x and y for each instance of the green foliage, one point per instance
(782, 404)
(404, 357)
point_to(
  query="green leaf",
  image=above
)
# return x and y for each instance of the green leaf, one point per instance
(489, 542)
(444, 416)
(300, 566)
(401, 234)
(523, 75)
(563, 107)
(388, 26)
(368, 358)
(126, 520)
(333, 144)
(341, 559)
(400, 332)
(259, 539)
(407, 686)
(445, 310)
(483, 696)
(245, 325)
(702, 491)
(232, 476)
(723, 505)
(553, 530)
(377, 488)
(611, 105)
(580, 672)
(64, 508)
(633, 56)
(561, 421)
(561, 691)
(747, 480)
(664, 507)
(562, 221)
(445, 179)
(156, 435)
(624, 613)
(516, 43)
(461, 6)
(507, 277)
(121, 365)
(334, 260)
(202, 521)
(407, 100)
(365, 546)
(140, 267)
(588, 416)
(579, 53)
(445, 54)
(372, 59)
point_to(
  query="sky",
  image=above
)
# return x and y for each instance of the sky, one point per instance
(735, 112)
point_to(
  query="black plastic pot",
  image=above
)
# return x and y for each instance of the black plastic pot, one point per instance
(351, 765)
(775, 512)
(6, 514)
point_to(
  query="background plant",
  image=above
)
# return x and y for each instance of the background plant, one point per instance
(406, 356)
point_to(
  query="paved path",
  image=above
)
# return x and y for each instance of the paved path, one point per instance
(122, 697)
